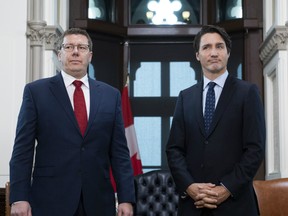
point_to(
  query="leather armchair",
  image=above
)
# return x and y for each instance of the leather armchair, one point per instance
(272, 196)
(156, 194)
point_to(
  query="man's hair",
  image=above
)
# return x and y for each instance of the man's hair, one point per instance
(212, 29)
(72, 31)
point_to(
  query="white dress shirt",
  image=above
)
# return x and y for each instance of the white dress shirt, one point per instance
(220, 81)
(68, 81)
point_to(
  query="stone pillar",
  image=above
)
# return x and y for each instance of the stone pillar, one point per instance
(40, 37)
(274, 53)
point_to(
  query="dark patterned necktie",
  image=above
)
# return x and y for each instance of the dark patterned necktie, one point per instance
(209, 106)
(80, 106)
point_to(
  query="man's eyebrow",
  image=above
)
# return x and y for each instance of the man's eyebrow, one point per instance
(219, 43)
(210, 44)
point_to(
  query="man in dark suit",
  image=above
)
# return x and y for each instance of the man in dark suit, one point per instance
(214, 163)
(67, 172)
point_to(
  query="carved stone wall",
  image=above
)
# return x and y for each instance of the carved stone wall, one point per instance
(41, 38)
(40, 34)
(274, 55)
(276, 40)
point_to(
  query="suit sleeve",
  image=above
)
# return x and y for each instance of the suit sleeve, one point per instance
(23, 150)
(176, 151)
(120, 159)
(254, 134)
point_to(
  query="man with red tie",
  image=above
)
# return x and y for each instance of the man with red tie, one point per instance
(79, 132)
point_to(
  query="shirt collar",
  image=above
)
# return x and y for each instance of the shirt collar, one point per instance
(68, 79)
(220, 81)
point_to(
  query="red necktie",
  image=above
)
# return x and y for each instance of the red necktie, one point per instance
(80, 106)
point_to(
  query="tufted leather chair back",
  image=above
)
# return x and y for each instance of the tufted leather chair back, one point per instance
(272, 196)
(156, 194)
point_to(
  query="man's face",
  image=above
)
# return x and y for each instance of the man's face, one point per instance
(212, 54)
(74, 56)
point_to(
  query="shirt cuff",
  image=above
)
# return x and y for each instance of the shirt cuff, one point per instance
(226, 189)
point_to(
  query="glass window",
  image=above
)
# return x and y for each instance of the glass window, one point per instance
(165, 12)
(181, 76)
(101, 10)
(149, 140)
(228, 10)
(157, 73)
(147, 82)
(155, 90)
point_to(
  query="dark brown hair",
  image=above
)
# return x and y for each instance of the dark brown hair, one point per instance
(212, 29)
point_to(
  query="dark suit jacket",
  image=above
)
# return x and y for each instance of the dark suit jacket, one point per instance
(230, 154)
(67, 163)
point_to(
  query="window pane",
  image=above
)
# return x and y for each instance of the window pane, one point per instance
(149, 139)
(101, 10)
(239, 71)
(181, 76)
(165, 12)
(228, 10)
(147, 82)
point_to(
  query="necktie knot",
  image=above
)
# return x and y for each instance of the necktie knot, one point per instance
(211, 85)
(77, 83)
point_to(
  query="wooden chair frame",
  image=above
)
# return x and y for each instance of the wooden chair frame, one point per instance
(7, 204)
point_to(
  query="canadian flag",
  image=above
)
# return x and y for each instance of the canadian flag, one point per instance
(130, 134)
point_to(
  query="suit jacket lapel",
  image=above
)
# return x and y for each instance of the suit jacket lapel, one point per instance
(227, 92)
(199, 106)
(95, 98)
(58, 89)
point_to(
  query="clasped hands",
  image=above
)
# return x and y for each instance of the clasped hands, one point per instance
(207, 195)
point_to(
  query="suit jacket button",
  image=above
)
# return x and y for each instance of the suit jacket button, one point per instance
(82, 149)
(206, 142)
(202, 166)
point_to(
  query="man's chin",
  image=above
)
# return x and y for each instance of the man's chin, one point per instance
(216, 70)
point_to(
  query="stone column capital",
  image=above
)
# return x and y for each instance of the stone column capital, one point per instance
(40, 34)
(277, 39)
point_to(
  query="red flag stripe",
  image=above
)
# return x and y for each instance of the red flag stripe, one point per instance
(130, 133)
(126, 108)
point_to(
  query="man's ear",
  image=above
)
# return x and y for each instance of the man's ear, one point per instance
(90, 58)
(197, 56)
(59, 55)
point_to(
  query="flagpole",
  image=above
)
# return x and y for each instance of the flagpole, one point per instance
(126, 62)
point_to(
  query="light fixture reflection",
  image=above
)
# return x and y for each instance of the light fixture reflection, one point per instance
(186, 15)
(236, 12)
(164, 11)
(176, 5)
(152, 5)
(149, 15)
(94, 13)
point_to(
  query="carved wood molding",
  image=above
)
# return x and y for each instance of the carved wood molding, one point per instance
(276, 40)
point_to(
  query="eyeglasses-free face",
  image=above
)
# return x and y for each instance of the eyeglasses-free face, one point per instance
(83, 48)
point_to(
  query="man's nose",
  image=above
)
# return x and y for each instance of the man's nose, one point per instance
(214, 52)
(75, 48)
